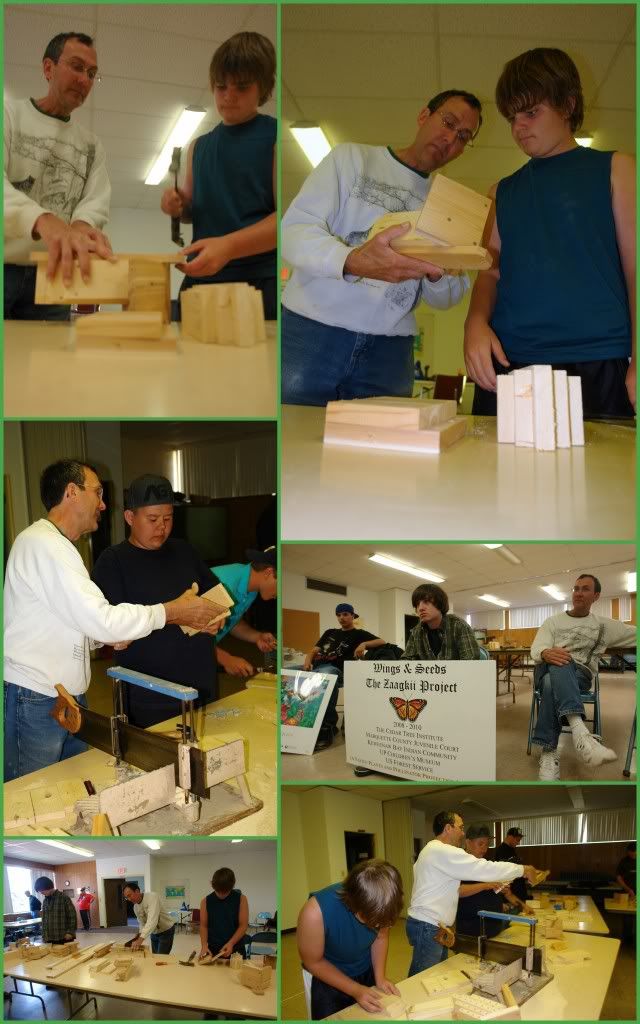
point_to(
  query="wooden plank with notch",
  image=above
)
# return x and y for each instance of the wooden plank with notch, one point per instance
(453, 213)
(18, 809)
(218, 595)
(392, 413)
(47, 804)
(430, 441)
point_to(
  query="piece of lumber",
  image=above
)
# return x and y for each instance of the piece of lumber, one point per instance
(508, 996)
(479, 1008)
(394, 1007)
(18, 809)
(415, 243)
(108, 341)
(148, 325)
(257, 979)
(120, 948)
(123, 968)
(392, 413)
(544, 423)
(108, 282)
(431, 1009)
(506, 408)
(223, 314)
(64, 950)
(69, 962)
(453, 213)
(447, 983)
(130, 800)
(35, 952)
(149, 287)
(102, 949)
(523, 407)
(576, 419)
(109, 967)
(561, 402)
(223, 760)
(423, 442)
(47, 805)
(218, 595)
(100, 825)
(70, 791)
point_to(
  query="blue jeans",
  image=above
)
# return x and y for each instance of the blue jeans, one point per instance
(426, 951)
(321, 363)
(559, 687)
(19, 295)
(32, 739)
(330, 715)
(161, 942)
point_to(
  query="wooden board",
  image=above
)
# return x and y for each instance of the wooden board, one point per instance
(139, 796)
(47, 804)
(433, 440)
(92, 340)
(149, 287)
(424, 247)
(109, 282)
(506, 408)
(392, 413)
(453, 213)
(224, 761)
(575, 411)
(70, 962)
(70, 791)
(223, 314)
(523, 407)
(561, 402)
(447, 984)
(218, 595)
(120, 325)
(544, 425)
(18, 810)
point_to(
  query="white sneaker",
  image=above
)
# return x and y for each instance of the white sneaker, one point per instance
(549, 767)
(591, 751)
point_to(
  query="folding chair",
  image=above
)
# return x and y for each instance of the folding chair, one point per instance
(307, 978)
(591, 697)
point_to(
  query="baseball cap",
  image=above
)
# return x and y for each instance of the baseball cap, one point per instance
(42, 884)
(515, 832)
(478, 832)
(346, 608)
(149, 490)
(266, 557)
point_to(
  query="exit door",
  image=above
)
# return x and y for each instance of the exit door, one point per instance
(115, 909)
(359, 846)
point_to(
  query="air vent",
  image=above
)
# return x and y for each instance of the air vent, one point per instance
(327, 588)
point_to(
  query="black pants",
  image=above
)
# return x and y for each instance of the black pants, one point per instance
(604, 394)
(325, 999)
(19, 296)
(86, 919)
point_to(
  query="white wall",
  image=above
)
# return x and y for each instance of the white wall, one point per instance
(255, 872)
(295, 595)
(121, 867)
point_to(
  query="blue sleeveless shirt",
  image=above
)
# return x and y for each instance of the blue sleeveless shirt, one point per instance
(561, 296)
(233, 189)
(347, 942)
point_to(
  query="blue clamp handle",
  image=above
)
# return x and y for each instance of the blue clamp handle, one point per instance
(164, 686)
(515, 918)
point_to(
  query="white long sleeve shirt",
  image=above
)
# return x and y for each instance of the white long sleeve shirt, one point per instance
(437, 874)
(337, 205)
(579, 634)
(151, 917)
(53, 611)
(50, 166)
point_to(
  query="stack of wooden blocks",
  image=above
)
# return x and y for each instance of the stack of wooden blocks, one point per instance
(541, 408)
(394, 424)
(224, 314)
(256, 978)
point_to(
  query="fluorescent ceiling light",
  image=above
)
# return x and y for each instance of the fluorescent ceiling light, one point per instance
(585, 139)
(494, 600)
(236, 840)
(504, 552)
(312, 141)
(153, 844)
(553, 592)
(66, 847)
(492, 547)
(182, 131)
(412, 570)
(631, 582)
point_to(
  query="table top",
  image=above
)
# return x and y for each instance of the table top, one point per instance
(203, 988)
(26, 922)
(576, 992)
(615, 908)
(45, 377)
(252, 713)
(585, 919)
(340, 493)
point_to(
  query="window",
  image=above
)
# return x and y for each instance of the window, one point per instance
(19, 881)
(531, 618)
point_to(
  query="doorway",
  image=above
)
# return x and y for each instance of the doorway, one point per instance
(358, 846)
(114, 903)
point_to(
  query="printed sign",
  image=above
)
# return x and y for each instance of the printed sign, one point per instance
(422, 719)
(303, 701)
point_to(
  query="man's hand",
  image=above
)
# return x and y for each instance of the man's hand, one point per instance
(556, 656)
(172, 202)
(387, 987)
(238, 667)
(227, 949)
(64, 242)
(480, 343)
(121, 646)
(530, 873)
(213, 255)
(360, 650)
(190, 610)
(377, 260)
(630, 381)
(266, 642)
(69, 937)
(368, 999)
(137, 943)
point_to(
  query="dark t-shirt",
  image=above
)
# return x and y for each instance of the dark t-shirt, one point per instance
(467, 920)
(35, 906)
(223, 916)
(125, 572)
(337, 645)
(519, 885)
(627, 868)
(434, 636)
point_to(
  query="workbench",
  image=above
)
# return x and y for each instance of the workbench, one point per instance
(44, 376)
(612, 907)
(577, 991)
(475, 489)
(586, 919)
(252, 713)
(21, 926)
(195, 988)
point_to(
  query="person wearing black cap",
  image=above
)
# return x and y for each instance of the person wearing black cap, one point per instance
(626, 871)
(245, 582)
(334, 647)
(59, 921)
(507, 852)
(475, 896)
(152, 565)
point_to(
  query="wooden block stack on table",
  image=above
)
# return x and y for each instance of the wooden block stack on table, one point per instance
(540, 408)
(394, 424)
(224, 314)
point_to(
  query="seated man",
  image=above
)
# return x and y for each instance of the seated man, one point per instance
(244, 583)
(475, 896)
(439, 634)
(334, 647)
(566, 649)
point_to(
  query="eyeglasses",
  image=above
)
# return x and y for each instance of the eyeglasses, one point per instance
(82, 69)
(99, 491)
(463, 135)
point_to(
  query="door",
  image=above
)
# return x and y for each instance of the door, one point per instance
(358, 846)
(114, 903)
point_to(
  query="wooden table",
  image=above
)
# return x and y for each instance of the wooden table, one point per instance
(44, 376)
(475, 489)
(585, 919)
(20, 926)
(198, 988)
(615, 908)
(577, 991)
(252, 712)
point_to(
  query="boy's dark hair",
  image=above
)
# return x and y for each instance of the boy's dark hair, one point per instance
(442, 819)
(261, 566)
(55, 478)
(429, 592)
(596, 582)
(373, 889)
(543, 75)
(223, 880)
(437, 101)
(246, 57)
(42, 884)
(56, 45)
(131, 885)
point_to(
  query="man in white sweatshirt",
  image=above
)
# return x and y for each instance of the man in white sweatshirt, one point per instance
(54, 614)
(437, 874)
(566, 650)
(155, 923)
(56, 189)
(348, 320)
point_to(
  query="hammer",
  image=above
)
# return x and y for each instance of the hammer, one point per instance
(173, 169)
